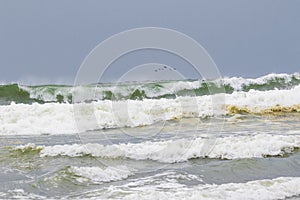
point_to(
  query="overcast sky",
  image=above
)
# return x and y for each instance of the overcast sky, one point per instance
(46, 41)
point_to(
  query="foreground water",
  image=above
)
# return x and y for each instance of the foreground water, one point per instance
(160, 148)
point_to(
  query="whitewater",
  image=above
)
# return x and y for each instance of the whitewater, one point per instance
(57, 118)
(232, 138)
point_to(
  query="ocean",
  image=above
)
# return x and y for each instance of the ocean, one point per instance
(232, 138)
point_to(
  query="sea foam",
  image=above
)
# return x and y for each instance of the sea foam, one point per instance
(268, 189)
(99, 175)
(56, 118)
(180, 150)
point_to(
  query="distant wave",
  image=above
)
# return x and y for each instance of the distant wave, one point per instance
(149, 90)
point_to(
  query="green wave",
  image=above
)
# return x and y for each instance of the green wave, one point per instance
(14, 93)
(150, 90)
(9, 93)
(274, 83)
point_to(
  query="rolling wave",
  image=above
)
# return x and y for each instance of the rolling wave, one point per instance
(180, 150)
(56, 118)
(148, 90)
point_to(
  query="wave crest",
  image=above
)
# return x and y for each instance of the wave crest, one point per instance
(148, 90)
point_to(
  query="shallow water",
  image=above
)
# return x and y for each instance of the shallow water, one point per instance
(55, 175)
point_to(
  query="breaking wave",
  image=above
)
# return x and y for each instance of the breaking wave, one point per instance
(56, 118)
(148, 90)
(180, 150)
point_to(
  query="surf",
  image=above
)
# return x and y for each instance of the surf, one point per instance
(29, 94)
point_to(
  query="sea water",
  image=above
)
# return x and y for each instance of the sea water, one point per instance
(152, 140)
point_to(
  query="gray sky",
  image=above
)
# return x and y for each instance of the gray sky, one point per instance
(46, 41)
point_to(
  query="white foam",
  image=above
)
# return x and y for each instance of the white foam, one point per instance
(20, 194)
(166, 179)
(180, 150)
(37, 119)
(99, 175)
(264, 99)
(55, 118)
(269, 189)
(238, 82)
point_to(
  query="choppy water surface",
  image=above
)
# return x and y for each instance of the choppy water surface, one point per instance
(168, 149)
